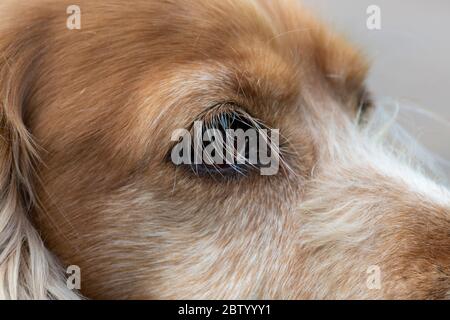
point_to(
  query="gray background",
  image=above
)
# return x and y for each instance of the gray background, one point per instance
(410, 58)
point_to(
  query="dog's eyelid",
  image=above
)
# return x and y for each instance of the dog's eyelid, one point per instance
(223, 108)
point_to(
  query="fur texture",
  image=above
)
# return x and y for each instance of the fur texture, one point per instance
(86, 119)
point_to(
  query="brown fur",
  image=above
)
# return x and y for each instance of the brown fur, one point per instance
(101, 104)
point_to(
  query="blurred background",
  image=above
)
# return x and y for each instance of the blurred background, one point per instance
(410, 58)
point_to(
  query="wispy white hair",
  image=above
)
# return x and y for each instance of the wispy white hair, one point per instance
(364, 164)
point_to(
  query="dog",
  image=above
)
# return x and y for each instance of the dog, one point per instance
(86, 178)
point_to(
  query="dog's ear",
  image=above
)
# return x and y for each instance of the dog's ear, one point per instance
(27, 269)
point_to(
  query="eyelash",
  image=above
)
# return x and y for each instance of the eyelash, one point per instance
(223, 117)
(244, 152)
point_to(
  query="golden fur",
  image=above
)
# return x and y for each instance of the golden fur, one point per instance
(86, 120)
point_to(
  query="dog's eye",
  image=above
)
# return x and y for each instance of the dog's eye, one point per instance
(365, 105)
(229, 137)
(226, 142)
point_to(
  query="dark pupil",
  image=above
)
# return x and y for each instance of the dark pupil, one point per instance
(229, 122)
(221, 123)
